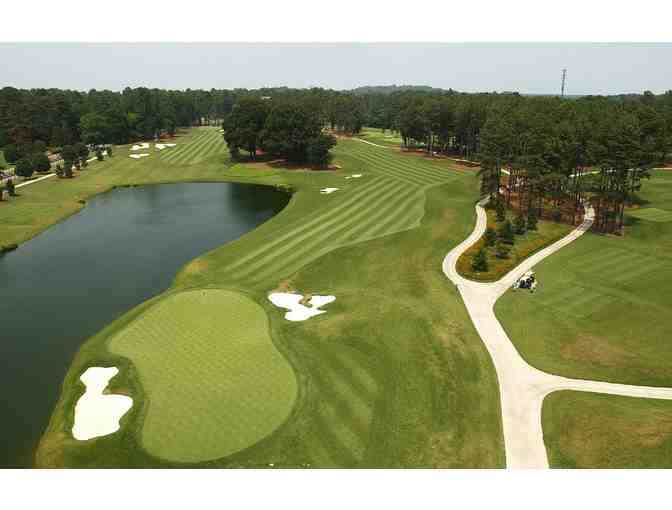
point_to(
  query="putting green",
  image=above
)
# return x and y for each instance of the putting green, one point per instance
(214, 380)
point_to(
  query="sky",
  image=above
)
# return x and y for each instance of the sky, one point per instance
(529, 68)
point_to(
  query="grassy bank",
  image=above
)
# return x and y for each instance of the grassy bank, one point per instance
(526, 244)
(588, 430)
(603, 311)
(393, 375)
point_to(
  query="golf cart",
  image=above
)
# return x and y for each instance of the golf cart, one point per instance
(527, 281)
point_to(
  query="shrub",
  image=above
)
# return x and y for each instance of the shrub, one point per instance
(39, 147)
(490, 236)
(506, 234)
(10, 188)
(41, 162)
(480, 261)
(500, 210)
(502, 250)
(532, 220)
(67, 168)
(99, 154)
(519, 224)
(556, 214)
(109, 151)
(24, 167)
(11, 153)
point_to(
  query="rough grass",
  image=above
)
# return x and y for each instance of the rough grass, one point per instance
(526, 244)
(589, 430)
(215, 381)
(603, 310)
(393, 375)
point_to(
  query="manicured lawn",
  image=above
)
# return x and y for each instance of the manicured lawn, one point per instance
(376, 135)
(393, 375)
(603, 309)
(526, 244)
(588, 430)
(208, 365)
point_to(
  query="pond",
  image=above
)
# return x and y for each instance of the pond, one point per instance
(69, 282)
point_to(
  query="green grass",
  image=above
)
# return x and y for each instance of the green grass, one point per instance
(376, 135)
(42, 204)
(526, 244)
(207, 363)
(589, 430)
(393, 375)
(651, 214)
(602, 310)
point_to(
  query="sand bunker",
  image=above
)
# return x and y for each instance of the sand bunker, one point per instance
(353, 176)
(326, 191)
(141, 146)
(97, 414)
(138, 156)
(161, 146)
(297, 311)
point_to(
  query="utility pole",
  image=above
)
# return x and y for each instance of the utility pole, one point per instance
(564, 78)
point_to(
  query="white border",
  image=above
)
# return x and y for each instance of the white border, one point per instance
(338, 21)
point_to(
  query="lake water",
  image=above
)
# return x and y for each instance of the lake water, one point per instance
(69, 282)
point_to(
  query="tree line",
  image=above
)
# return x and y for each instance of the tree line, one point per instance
(543, 154)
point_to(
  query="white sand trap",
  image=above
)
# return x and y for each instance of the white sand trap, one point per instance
(354, 176)
(161, 146)
(326, 191)
(297, 311)
(138, 156)
(97, 414)
(141, 146)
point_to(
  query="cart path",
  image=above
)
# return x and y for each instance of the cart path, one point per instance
(523, 387)
(48, 176)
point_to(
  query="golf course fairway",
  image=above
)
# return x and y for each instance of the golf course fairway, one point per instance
(209, 368)
(394, 375)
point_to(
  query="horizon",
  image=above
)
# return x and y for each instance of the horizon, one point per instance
(526, 68)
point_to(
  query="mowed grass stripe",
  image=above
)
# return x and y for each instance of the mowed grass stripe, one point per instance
(192, 149)
(431, 174)
(206, 149)
(400, 220)
(387, 168)
(192, 153)
(390, 170)
(317, 243)
(619, 265)
(652, 214)
(173, 152)
(215, 147)
(350, 413)
(321, 233)
(301, 226)
(403, 171)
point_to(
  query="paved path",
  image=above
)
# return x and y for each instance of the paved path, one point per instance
(33, 181)
(523, 387)
(371, 143)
